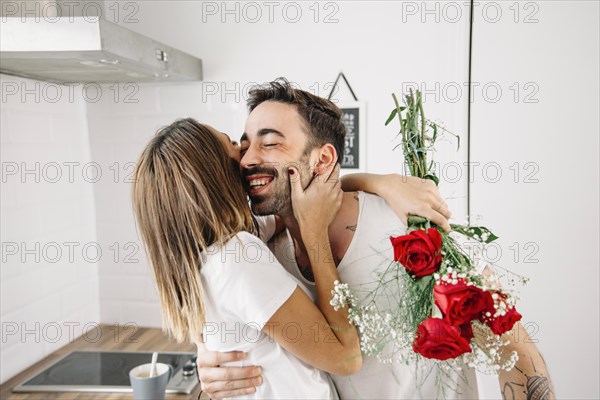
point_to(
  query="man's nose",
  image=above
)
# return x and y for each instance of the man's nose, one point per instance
(250, 158)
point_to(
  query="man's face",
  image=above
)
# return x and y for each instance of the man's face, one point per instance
(274, 139)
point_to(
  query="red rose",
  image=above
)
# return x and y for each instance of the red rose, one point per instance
(419, 251)
(466, 331)
(461, 303)
(438, 339)
(503, 323)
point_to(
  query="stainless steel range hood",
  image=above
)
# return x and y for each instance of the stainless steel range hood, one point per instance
(84, 49)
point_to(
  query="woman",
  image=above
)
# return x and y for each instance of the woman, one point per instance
(214, 277)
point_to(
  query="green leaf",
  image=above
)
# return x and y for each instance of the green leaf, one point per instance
(433, 178)
(479, 233)
(392, 115)
(424, 283)
(416, 220)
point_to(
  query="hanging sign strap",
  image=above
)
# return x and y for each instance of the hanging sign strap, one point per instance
(341, 74)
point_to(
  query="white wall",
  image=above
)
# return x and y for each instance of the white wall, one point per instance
(119, 130)
(48, 294)
(552, 205)
(379, 45)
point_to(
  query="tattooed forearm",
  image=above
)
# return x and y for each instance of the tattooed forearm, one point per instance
(508, 391)
(538, 388)
(529, 379)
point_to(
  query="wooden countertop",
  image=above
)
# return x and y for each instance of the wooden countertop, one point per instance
(124, 338)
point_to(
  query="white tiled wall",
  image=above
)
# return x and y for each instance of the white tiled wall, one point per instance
(49, 294)
(119, 129)
(93, 145)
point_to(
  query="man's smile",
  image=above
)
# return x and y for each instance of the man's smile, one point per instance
(256, 184)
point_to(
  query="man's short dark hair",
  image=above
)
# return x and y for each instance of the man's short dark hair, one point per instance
(322, 118)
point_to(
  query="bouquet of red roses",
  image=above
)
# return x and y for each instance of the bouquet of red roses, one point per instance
(459, 296)
(438, 264)
(446, 309)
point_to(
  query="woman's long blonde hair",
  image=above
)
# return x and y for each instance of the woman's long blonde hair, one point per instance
(186, 196)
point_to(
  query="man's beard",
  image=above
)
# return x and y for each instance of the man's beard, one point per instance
(279, 199)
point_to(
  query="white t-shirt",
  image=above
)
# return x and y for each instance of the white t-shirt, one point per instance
(244, 286)
(370, 252)
(266, 226)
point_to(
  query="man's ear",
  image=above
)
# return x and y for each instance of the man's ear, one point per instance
(326, 158)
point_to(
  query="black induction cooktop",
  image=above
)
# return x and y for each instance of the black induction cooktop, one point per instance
(93, 371)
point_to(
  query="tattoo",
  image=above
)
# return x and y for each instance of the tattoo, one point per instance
(538, 388)
(356, 196)
(508, 393)
(519, 369)
(351, 228)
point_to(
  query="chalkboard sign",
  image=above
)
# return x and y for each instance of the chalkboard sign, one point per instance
(354, 151)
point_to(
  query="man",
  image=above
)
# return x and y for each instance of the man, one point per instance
(288, 127)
